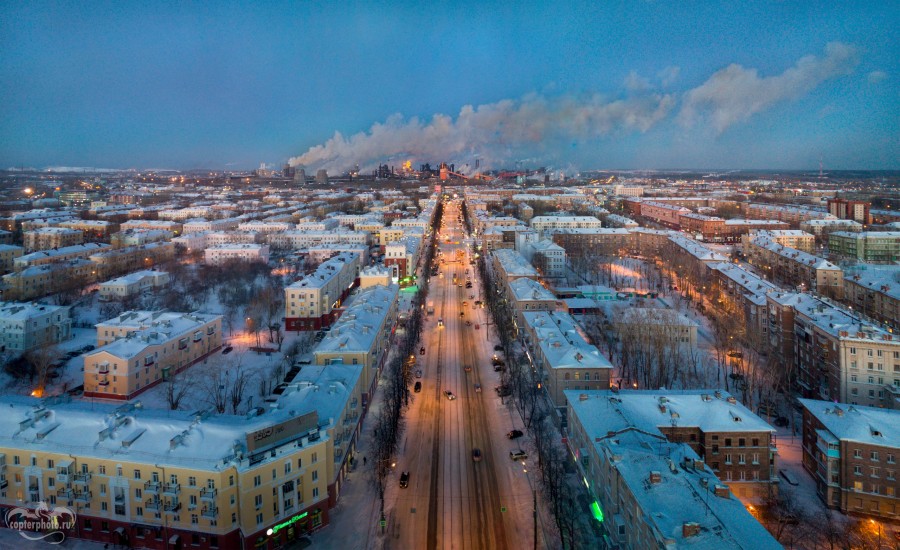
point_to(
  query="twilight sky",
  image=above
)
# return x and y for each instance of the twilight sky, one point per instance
(637, 84)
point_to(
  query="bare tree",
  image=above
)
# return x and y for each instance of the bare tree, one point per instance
(42, 361)
(177, 387)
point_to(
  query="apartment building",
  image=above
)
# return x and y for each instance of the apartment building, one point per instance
(655, 322)
(736, 228)
(791, 238)
(821, 228)
(363, 334)
(875, 292)
(44, 238)
(648, 243)
(298, 240)
(509, 265)
(844, 209)
(195, 225)
(8, 255)
(747, 294)
(121, 260)
(867, 246)
(563, 358)
(705, 228)
(794, 268)
(547, 257)
(650, 490)
(529, 295)
(132, 284)
(851, 452)
(26, 326)
(310, 303)
(165, 225)
(163, 480)
(842, 357)
(140, 349)
(615, 220)
(94, 230)
(541, 224)
(403, 256)
(40, 280)
(74, 252)
(592, 242)
(663, 213)
(138, 237)
(322, 252)
(793, 215)
(243, 252)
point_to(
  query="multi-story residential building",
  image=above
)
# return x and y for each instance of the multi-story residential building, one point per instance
(322, 252)
(186, 213)
(26, 326)
(656, 322)
(851, 452)
(138, 237)
(509, 265)
(74, 252)
(648, 243)
(132, 284)
(793, 215)
(843, 358)
(529, 295)
(243, 252)
(6, 237)
(547, 257)
(747, 293)
(165, 225)
(140, 349)
(95, 230)
(736, 228)
(40, 280)
(868, 246)
(162, 480)
(875, 292)
(791, 238)
(363, 334)
(794, 268)
(225, 224)
(296, 240)
(651, 489)
(121, 260)
(705, 228)
(8, 255)
(663, 213)
(541, 224)
(615, 220)
(310, 303)
(579, 243)
(403, 256)
(44, 238)
(563, 358)
(265, 227)
(821, 228)
(844, 209)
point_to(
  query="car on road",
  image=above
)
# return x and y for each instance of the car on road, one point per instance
(419, 373)
(227, 350)
(418, 387)
(476, 454)
(422, 350)
(89, 347)
(467, 368)
(477, 326)
(498, 347)
(502, 391)
(468, 323)
(518, 454)
(477, 388)
(465, 304)
(440, 322)
(449, 395)
(499, 368)
(404, 480)
(514, 434)
(462, 313)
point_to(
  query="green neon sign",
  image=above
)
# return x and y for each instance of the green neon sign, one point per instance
(596, 511)
(286, 523)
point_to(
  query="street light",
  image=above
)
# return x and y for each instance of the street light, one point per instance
(533, 504)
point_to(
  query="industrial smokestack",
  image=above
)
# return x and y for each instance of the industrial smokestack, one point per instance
(322, 176)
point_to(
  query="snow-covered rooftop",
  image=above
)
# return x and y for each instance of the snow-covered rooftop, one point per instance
(869, 425)
(562, 344)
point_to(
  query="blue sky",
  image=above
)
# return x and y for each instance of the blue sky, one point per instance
(587, 85)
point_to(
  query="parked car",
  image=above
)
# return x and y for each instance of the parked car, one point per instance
(440, 322)
(476, 454)
(227, 350)
(404, 480)
(477, 388)
(502, 391)
(518, 454)
(781, 422)
(419, 373)
(418, 387)
(499, 368)
(467, 368)
(513, 434)
(449, 395)
(498, 347)
(89, 347)
(468, 323)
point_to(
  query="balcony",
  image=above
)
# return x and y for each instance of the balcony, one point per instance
(152, 504)
(4, 483)
(104, 369)
(172, 507)
(103, 382)
(83, 496)
(171, 489)
(83, 478)
(66, 493)
(208, 494)
(209, 512)
(63, 477)
(152, 487)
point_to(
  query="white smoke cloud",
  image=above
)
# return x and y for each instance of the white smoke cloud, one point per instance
(669, 75)
(496, 132)
(875, 77)
(735, 93)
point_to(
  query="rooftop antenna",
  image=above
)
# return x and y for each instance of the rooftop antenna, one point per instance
(821, 168)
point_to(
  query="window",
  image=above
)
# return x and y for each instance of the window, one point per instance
(140, 512)
(192, 481)
(50, 463)
(315, 475)
(137, 494)
(756, 442)
(315, 492)
(257, 481)
(857, 470)
(287, 468)
(890, 458)
(259, 519)
(873, 456)
(257, 501)
(727, 459)
(137, 474)
(728, 442)
(194, 520)
(101, 469)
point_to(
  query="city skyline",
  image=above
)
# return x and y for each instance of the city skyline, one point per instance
(643, 86)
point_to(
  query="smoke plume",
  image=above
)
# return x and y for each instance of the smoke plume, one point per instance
(494, 132)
